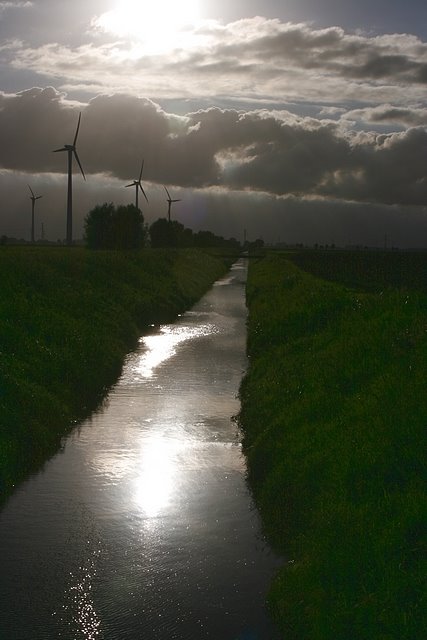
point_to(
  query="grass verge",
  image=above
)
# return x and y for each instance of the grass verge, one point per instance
(67, 319)
(334, 415)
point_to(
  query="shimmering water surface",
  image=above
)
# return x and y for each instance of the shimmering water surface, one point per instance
(142, 527)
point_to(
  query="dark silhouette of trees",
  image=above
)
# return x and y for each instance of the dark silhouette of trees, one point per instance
(110, 227)
(128, 227)
(255, 245)
(169, 234)
(98, 226)
(165, 233)
(209, 239)
(122, 227)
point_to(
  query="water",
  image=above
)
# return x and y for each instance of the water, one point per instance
(142, 527)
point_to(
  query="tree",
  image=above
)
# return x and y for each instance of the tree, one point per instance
(98, 226)
(165, 233)
(110, 227)
(207, 239)
(128, 228)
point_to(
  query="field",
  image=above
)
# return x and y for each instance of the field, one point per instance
(334, 415)
(67, 319)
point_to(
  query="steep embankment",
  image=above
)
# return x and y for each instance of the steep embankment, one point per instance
(67, 318)
(334, 412)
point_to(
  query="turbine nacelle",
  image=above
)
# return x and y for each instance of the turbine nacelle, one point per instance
(137, 184)
(71, 148)
(169, 199)
(32, 196)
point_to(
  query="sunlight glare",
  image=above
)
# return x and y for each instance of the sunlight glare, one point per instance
(159, 25)
(154, 486)
(162, 346)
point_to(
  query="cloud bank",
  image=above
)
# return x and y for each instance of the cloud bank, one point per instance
(277, 153)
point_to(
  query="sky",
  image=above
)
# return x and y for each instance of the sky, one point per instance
(294, 121)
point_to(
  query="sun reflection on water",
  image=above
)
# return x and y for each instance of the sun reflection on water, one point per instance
(162, 346)
(154, 486)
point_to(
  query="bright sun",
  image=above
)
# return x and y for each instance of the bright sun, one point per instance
(159, 25)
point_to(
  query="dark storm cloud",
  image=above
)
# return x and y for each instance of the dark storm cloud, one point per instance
(387, 169)
(272, 152)
(32, 124)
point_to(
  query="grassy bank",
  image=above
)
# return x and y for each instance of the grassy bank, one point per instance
(334, 412)
(67, 318)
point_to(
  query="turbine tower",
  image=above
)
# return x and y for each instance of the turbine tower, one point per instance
(137, 184)
(71, 150)
(33, 199)
(169, 201)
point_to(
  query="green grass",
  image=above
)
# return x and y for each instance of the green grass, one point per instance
(67, 319)
(367, 270)
(334, 414)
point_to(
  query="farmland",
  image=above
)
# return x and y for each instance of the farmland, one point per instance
(334, 412)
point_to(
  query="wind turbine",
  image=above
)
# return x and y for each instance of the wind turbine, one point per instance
(137, 184)
(33, 199)
(71, 149)
(169, 201)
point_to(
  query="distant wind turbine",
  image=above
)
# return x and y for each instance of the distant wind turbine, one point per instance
(71, 149)
(33, 199)
(137, 184)
(169, 201)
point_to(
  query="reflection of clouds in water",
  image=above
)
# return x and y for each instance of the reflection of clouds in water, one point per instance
(162, 346)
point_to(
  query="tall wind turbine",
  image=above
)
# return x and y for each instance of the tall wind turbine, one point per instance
(137, 184)
(33, 199)
(169, 201)
(71, 150)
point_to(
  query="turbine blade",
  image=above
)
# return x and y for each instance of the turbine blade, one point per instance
(167, 192)
(142, 168)
(38, 197)
(79, 163)
(130, 185)
(77, 130)
(61, 149)
(178, 200)
(32, 193)
(140, 186)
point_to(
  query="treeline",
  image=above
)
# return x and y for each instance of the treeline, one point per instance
(122, 227)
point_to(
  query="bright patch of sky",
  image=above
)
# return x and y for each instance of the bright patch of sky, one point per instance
(287, 107)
